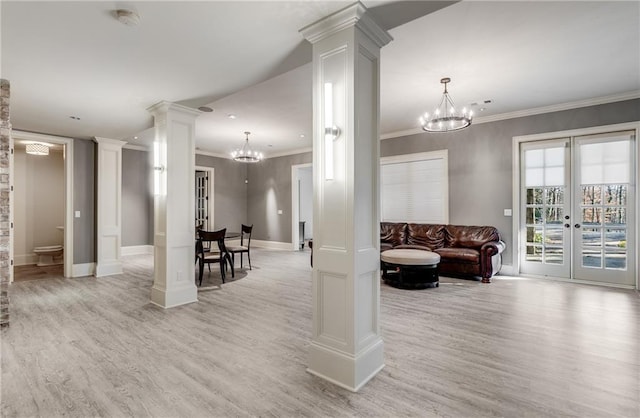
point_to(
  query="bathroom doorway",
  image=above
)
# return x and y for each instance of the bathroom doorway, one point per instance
(41, 200)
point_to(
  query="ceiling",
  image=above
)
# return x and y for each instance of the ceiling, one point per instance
(248, 59)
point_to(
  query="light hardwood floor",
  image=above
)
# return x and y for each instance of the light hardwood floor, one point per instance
(516, 348)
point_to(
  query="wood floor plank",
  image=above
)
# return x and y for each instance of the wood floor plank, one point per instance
(517, 347)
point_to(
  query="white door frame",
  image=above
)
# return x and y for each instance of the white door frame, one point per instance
(295, 209)
(635, 126)
(210, 183)
(68, 190)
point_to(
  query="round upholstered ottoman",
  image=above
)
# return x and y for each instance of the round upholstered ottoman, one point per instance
(410, 269)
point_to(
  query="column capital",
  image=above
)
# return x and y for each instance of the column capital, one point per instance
(165, 107)
(353, 15)
(109, 141)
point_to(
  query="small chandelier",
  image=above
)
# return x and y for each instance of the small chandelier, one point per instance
(245, 154)
(37, 149)
(445, 117)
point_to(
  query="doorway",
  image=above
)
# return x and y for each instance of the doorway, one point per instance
(577, 207)
(67, 227)
(204, 181)
(301, 205)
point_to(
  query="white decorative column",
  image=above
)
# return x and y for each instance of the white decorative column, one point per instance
(109, 206)
(174, 230)
(346, 348)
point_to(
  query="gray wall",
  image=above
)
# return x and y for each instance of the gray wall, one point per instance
(480, 160)
(137, 198)
(230, 191)
(84, 232)
(480, 169)
(270, 190)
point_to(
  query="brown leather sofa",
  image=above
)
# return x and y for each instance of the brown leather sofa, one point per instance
(465, 251)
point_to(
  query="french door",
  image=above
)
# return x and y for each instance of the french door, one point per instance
(577, 208)
(202, 199)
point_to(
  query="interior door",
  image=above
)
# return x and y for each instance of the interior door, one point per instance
(604, 230)
(545, 208)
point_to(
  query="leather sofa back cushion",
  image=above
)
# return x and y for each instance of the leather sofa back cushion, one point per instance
(470, 236)
(393, 233)
(427, 235)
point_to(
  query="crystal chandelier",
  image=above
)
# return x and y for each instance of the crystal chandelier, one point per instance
(245, 154)
(445, 117)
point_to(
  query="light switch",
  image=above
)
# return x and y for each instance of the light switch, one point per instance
(77, 214)
(508, 212)
(279, 211)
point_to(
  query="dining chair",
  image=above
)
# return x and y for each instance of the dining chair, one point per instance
(220, 256)
(245, 245)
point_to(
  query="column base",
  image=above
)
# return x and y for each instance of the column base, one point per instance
(174, 297)
(345, 370)
(108, 269)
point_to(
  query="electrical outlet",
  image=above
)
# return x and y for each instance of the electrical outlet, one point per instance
(508, 212)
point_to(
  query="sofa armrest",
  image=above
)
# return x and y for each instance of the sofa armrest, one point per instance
(493, 247)
(491, 259)
(412, 247)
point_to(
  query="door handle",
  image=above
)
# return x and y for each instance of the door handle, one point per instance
(577, 225)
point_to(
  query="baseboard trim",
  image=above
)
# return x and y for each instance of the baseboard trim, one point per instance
(271, 245)
(108, 268)
(137, 250)
(507, 270)
(82, 270)
(24, 259)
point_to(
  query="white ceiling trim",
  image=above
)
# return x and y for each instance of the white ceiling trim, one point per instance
(213, 154)
(291, 152)
(136, 147)
(530, 112)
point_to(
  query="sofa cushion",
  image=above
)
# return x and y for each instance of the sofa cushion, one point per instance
(427, 235)
(459, 255)
(393, 233)
(470, 236)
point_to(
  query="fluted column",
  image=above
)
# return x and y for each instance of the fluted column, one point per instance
(174, 229)
(346, 348)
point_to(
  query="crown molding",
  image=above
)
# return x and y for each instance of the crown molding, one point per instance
(530, 112)
(135, 147)
(213, 154)
(290, 152)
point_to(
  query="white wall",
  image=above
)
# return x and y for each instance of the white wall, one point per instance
(38, 204)
(306, 200)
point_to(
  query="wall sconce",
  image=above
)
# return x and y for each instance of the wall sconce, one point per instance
(159, 186)
(331, 132)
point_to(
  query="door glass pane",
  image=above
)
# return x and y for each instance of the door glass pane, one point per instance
(591, 258)
(534, 253)
(553, 255)
(591, 216)
(554, 215)
(615, 216)
(534, 216)
(555, 195)
(616, 248)
(615, 194)
(534, 196)
(591, 195)
(553, 236)
(534, 235)
(592, 237)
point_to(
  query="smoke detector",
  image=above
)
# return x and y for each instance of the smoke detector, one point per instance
(128, 17)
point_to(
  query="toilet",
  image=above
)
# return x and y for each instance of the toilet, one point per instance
(49, 256)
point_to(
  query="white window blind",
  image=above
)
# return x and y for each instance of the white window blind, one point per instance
(415, 188)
